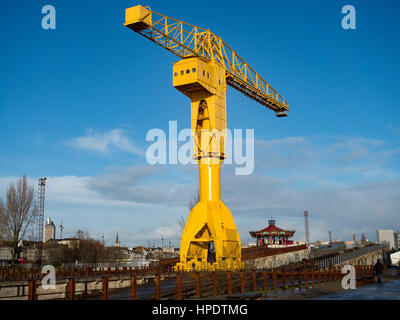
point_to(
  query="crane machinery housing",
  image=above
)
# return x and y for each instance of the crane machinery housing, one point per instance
(210, 240)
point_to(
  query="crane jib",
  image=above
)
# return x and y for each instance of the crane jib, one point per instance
(186, 40)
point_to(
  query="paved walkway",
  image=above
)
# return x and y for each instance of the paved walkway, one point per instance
(389, 290)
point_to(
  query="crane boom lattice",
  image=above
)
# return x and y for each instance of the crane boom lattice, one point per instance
(186, 40)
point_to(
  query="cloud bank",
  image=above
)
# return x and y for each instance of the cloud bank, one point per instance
(348, 184)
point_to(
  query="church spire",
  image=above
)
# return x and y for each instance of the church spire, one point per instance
(117, 241)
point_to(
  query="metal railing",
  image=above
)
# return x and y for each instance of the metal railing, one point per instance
(350, 255)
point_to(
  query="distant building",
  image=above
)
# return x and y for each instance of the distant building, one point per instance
(395, 258)
(49, 230)
(386, 236)
(168, 249)
(350, 244)
(139, 250)
(70, 242)
(397, 240)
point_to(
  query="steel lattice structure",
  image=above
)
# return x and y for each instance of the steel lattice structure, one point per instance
(306, 227)
(186, 40)
(40, 216)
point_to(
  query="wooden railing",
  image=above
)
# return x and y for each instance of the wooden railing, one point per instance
(216, 284)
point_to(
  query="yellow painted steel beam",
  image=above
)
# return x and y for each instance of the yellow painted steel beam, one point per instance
(186, 40)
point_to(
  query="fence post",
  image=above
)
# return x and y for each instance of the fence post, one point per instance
(313, 276)
(242, 284)
(214, 284)
(306, 277)
(265, 276)
(229, 275)
(105, 288)
(32, 290)
(179, 285)
(133, 287)
(274, 279)
(283, 279)
(71, 289)
(319, 276)
(254, 276)
(335, 273)
(329, 274)
(324, 275)
(291, 278)
(197, 274)
(299, 280)
(158, 286)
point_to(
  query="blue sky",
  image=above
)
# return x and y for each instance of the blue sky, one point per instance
(76, 104)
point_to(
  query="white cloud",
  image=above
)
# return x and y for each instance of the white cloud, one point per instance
(348, 185)
(168, 232)
(104, 142)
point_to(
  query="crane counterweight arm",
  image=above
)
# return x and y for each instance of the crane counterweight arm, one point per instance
(186, 40)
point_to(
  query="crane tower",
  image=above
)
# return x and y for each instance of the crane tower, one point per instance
(306, 228)
(40, 217)
(210, 240)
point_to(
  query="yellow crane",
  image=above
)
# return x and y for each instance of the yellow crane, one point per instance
(210, 240)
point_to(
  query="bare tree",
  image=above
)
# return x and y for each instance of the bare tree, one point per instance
(194, 200)
(181, 223)
(2, 221)
(85, 250)
(192, 203)
(17, 215)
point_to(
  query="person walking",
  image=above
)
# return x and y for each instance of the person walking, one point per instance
(378, 267)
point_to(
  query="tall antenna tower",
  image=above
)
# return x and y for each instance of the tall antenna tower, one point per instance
(40, 217)
(61, 230)
(306, 227)
(330, 237)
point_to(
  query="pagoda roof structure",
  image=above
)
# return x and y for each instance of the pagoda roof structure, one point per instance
(272, 230)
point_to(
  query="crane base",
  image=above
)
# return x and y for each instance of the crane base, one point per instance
(210, 240)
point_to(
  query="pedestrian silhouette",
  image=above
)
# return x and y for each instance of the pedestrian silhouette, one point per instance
(378, 267)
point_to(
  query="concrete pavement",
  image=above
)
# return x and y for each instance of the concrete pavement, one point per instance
(389, 290)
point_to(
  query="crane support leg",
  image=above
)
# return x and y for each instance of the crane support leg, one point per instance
(210, 240)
